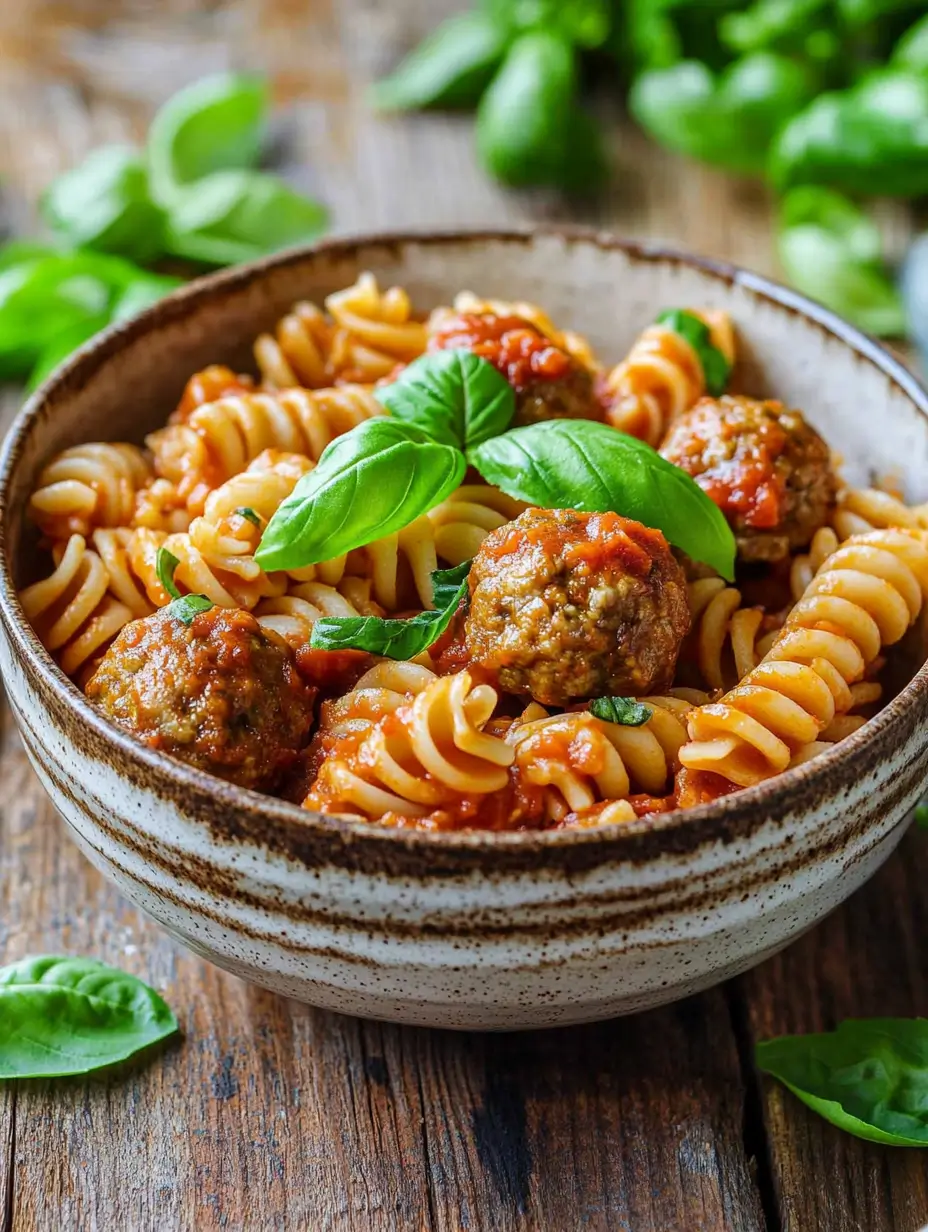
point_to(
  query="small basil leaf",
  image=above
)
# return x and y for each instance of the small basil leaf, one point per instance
(187, 607)
(624, 710)
(715, 367)
(869, 1077)
(74, 1015)
(165, 566)
(578, 464)
(235, 216)
(213, 125)
(396, 639)
(457, 397)
(249, 514)
(105, 204)
(370, 482)
(450, 68)
(62, 345)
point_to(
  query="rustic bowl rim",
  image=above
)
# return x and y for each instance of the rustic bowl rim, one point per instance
(732, 815)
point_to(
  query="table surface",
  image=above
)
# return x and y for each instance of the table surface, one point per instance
(270, 1114)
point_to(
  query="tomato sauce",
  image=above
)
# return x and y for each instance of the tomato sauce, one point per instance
(515, 348)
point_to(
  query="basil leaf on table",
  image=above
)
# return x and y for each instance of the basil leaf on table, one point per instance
(74, 1015)
(105, 204)
(584, 22)
(871, 137)
(831, 251)
(912, 49)
(370, 482)
(450, 68)
(458, 398)
(187, 607)
(715, 366)
(41, 299)
(142, 292)
(529, 127)
(869, 1077)
(63, 344)
(624, 710)
(216, 124)
(396, 639)
(235, 216)
(728, 120)
(165, 566)
(578, 464)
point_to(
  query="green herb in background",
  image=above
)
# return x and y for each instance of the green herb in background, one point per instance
(869, 1077)
(832, 251)
(194, 193)
(63, 1016)
(451, 67)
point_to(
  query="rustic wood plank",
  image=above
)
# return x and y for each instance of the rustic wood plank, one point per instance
(868, 959)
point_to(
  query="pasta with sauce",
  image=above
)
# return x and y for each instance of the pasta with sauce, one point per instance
(584, 671)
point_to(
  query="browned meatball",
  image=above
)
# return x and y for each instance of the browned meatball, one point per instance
(766, 468)
(218, 693)
(566, 606)
(548, 382)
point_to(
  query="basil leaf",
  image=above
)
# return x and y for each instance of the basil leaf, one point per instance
(396, 639)
(165, 566)
(450, 68)
(921, 817)
(457, 397)
(57, 350)
(216, 124)
(624, 710)
(187, 607)
(369, 482)
(235, 216)
(578, 464)
(249, 514)
(869, 1077)
(74, 1015)
(715, 367)
(105, 203)
(142, 292)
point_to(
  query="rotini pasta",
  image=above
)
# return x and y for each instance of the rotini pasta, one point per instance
(865, 596)
(660, 378)
(863, 509)
(463, 521)
(87, 486)
(726, 637)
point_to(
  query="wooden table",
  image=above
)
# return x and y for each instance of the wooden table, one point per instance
(270, 1114)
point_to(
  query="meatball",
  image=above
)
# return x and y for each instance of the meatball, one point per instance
(219, 693)
(766, 468)
(548, 382)
(566, 606)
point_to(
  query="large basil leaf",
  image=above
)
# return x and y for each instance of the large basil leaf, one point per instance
(215, 124)
(397, 639)
(578, 464)
(869, 1077)
(457, 397)
(73, 1015)
(370, 482)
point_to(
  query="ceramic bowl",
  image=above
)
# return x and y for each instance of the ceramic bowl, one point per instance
(470, 930)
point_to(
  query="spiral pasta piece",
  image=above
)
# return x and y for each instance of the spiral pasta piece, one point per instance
(725, 635)
(865, 596)
(72, 611)
(219, 440)
(661, 377)
(292, 615)
(463, 521)
(863, 509)
(581, 760)
(89, 485)
(427, 753)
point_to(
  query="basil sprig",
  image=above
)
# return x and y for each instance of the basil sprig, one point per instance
(457, 397)
(246, 512)
(715, 367)
(578, 464)
(184, 607)
(869, 1077)
(397, 639)
(74, 1015)
(623, 710)
(370, 482)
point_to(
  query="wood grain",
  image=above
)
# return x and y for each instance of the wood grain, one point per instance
(268, 1114)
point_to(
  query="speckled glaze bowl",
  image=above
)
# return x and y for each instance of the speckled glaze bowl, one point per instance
(479, 931)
